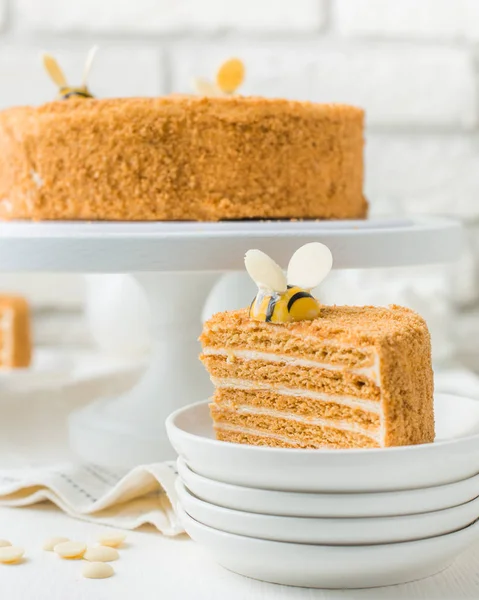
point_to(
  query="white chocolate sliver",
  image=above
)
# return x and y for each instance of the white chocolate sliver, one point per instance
(264, 271)
(4, 543)
(50, 544)
(309, 265)
(113, 539)
(204, 87)
(11, 554)
(70, 549)
(101, 554)
(88, 64)
(97, 570)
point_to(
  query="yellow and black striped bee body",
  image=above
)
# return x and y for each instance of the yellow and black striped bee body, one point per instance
(70, 92)
(283, 299)
(295, 304)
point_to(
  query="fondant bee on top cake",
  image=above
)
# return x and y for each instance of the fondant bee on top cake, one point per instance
(293, 373)
(209, 157)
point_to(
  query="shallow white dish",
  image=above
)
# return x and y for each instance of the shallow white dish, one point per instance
(337, 531)
(454, 456)
(307, 565)
(297, 504)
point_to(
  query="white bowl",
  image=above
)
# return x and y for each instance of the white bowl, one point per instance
(330, 566)
(297, 504)
(334, 532)
(454, 456)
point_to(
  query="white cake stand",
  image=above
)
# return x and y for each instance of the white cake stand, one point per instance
(177, 265)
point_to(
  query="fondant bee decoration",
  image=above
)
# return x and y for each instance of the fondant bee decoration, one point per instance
(284, 300)
(229, 77)
(66, 91)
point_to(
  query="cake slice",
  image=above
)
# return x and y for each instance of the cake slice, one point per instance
(354, 377)
(15, 336)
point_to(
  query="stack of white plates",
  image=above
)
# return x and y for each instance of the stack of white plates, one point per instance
(331, 518)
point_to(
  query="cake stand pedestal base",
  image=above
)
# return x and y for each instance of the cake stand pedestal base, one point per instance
(129, 430)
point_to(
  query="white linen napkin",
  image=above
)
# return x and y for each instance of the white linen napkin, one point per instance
(122, 499)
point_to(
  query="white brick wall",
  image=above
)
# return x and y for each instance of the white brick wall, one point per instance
(399, 86)
(3, 13)
(116, 72)
(412, 64)
(421, 19)
(170, 16)
(436, 174)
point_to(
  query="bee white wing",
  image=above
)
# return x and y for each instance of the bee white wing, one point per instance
(88, 64)
(264, 271)
(309, 265)
(203, 87)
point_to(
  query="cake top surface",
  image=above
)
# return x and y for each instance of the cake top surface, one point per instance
(176, 103)
(361, 325)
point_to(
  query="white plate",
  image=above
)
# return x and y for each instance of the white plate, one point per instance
(330, 566)
(454, 456)
(56, 368)
(297, 504)
(334, 532)
(49, 368)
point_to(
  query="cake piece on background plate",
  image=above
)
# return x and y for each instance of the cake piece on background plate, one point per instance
(289, 372)
(15, 334)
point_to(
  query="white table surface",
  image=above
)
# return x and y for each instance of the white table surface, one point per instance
(153, 567)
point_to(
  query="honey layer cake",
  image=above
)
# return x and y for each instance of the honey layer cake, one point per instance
(181, 158)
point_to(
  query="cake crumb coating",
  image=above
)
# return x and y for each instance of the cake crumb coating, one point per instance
(181, 158)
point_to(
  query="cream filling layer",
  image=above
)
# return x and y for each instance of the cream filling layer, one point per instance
(266, 434)
(329, 423)
(259, 433)
(350, 401)
(371, 372)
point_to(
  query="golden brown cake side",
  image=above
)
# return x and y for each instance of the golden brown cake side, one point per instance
(355, 377)
(15, 334)
(181, 158)
(407, 386)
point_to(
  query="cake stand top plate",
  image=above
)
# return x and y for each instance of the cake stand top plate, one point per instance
(114, 247)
